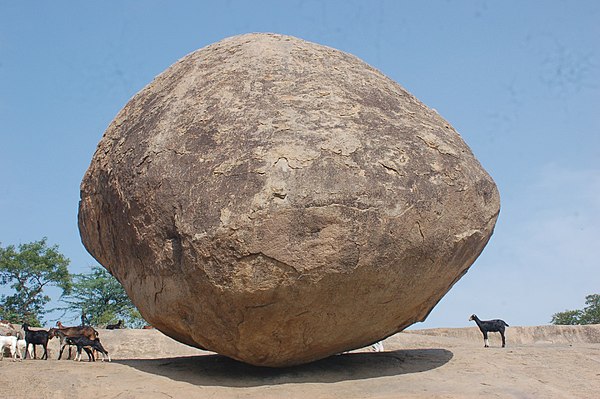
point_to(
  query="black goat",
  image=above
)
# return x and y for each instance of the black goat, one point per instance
(36, 337)
(486, 326)
(87, 344)
(117, 326)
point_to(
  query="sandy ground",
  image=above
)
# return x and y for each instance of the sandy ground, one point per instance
(539, 362)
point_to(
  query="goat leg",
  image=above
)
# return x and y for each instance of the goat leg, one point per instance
(62, 348)
(90, 354)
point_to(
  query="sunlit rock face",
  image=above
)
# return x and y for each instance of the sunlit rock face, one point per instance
(278, 201)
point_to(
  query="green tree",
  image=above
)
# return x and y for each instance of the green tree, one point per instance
(590, 314)
(28, 270)
(102, 299)
(568, 317)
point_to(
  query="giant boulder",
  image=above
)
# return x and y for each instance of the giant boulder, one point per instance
(278, 201)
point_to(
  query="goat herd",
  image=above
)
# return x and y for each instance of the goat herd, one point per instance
(86, 338)
(24, 341)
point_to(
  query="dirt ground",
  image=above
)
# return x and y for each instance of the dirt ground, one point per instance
(539, 362)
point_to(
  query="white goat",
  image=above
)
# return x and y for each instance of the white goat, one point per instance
(21, 348)
(377, 346)
(9, 342)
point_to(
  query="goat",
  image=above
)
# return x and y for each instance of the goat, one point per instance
(85, 343)
(21, 348)
(377, 346)
(67, 332)
(11, 343)
(117, 326)
(53, 332)
(87, 331)
(486, 326)
(36, 337)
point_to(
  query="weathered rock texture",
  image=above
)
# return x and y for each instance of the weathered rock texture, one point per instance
(7, 328)
(278, 201)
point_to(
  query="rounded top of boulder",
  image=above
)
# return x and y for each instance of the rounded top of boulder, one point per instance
(278, 201)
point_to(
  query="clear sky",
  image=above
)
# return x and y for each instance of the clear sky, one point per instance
(520, 81)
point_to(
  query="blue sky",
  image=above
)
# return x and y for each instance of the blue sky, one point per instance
(519, 80)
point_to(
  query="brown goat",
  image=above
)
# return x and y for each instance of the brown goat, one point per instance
(64, 332)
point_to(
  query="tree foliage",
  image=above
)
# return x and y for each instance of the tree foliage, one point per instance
(101, 299)
(28, 269)
(590, 314)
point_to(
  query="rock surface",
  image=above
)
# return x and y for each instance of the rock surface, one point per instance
(7, 328)
(277, 201)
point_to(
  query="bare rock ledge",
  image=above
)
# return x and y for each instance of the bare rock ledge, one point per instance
(278, 201)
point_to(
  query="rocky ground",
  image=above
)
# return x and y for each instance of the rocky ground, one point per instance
(539, 362)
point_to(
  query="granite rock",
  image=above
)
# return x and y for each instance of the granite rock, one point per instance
(278, 201)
